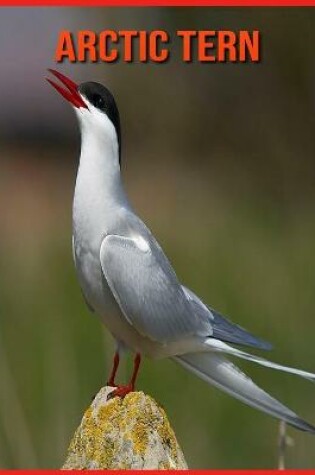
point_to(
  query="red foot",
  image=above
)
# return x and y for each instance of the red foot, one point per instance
(121, 391)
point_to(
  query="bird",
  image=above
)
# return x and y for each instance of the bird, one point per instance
(128, 281)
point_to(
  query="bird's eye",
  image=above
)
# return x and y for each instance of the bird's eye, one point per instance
(98, 101)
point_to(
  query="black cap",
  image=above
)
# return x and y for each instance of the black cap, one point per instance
(101, 98)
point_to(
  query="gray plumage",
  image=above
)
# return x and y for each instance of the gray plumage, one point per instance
(146, 288)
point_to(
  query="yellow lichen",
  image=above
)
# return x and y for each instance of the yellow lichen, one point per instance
(118, 434)
(167, 435)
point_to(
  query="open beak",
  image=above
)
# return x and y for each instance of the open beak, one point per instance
(70, 92)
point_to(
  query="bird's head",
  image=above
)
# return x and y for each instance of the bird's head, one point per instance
(94, 105)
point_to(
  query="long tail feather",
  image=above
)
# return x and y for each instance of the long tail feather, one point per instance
(217, 370)
(217, 345)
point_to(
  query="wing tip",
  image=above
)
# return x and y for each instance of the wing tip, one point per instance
(226, 330)
(265, 345)
(302, 425)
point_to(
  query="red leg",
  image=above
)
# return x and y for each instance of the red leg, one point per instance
(122, 391)
(111, 381)
(136, 366)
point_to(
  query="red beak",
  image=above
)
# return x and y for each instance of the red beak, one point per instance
(71, 92)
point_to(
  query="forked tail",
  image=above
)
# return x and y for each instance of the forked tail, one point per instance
(217, 370)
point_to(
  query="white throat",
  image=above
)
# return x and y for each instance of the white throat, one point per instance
(98, 187)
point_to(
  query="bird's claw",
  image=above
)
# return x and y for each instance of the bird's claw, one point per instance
(120, 391)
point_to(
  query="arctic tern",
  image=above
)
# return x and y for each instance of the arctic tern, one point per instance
(129, 282)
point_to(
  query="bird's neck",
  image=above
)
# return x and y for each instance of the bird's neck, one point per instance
(99, 189)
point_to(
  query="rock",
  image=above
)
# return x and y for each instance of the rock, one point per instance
(129, 433)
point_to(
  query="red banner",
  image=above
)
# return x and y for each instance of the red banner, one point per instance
(153, 3)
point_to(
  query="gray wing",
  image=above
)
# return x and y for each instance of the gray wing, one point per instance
(224, 329)
(147, 290)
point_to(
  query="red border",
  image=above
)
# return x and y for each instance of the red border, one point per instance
(153, 3)
(164, 472)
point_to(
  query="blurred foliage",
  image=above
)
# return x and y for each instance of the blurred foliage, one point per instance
(219, 162)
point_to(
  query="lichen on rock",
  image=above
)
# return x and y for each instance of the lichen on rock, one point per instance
(129, 433)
